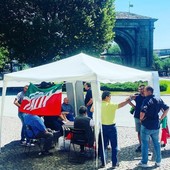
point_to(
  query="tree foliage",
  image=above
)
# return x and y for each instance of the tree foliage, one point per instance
(161, 64)
(157, 62)
(3, 57)
(113, 54)
(166, 64)
(114, 49)
(39, 30)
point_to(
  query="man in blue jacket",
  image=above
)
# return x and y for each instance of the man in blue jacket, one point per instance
(150, 120)
(39, 131)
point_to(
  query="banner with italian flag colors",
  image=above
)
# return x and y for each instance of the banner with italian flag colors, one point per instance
(42, 102)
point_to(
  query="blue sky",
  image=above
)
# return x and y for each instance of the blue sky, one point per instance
(159, 9)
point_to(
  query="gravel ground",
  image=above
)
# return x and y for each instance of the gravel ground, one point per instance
(13, 156)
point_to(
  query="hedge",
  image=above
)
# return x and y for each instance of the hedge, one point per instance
(163, 87)
(128, 86)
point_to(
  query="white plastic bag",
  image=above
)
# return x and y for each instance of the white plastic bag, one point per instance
(63, 144)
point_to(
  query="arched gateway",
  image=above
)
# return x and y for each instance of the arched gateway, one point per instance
(134, 35)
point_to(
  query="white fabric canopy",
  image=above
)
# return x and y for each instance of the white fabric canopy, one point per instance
(80, 67)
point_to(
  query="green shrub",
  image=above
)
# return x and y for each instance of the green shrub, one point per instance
(163, 87)
(128, 86)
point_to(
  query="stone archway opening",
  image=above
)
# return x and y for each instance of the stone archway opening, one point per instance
(126, 51)
(113, 53)
(121, 50)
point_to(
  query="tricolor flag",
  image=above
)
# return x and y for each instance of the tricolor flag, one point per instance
(42, 102)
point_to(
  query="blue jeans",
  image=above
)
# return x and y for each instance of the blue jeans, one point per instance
(23, 129)
(89, 113)
(154, 134)
(109, 134)
(70, 117)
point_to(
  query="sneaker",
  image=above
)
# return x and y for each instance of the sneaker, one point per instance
(157, 164)
(52, 147)
(140, 164)
(163, 145)
(114, 167)
(109, 147)
(30, 144)
(149, 153)
(45, 153)
(102, 166)
(138, 149)
(22, 142)
(34, 141)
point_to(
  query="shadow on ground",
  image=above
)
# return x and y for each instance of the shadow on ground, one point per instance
(14, 157)
(132, 155)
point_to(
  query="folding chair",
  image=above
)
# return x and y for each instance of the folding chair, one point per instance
(31, 137)
(78, 137)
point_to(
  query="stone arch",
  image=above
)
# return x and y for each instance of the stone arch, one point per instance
(127, 46)
(134, 35)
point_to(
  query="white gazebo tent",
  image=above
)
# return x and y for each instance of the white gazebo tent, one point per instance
(80, 67)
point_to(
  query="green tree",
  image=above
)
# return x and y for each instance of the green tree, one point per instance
(166, 64)
(3, 58)
(114, 49)
(39, 30)
(157, 63)
(114, 54)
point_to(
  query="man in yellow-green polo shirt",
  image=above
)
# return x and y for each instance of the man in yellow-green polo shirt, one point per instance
(108, 111)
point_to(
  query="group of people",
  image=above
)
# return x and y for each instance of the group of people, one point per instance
(56, 122)
(139, 98)
(147, 117)
(147, 120)
(43, 127)
(38, 128)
